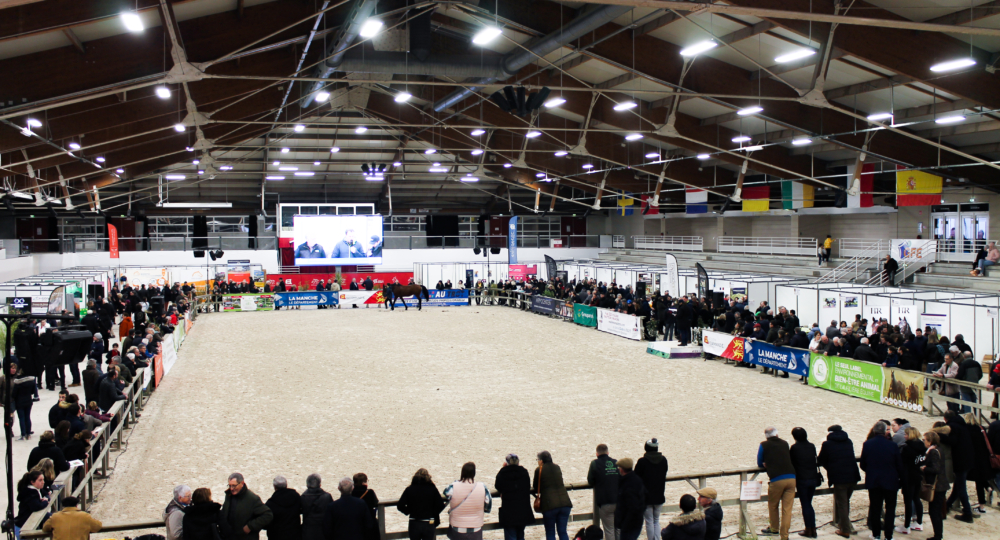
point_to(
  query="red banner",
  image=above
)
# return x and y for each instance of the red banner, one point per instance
(113, 240)
(158, 368)
(520, 272)
(310, 280)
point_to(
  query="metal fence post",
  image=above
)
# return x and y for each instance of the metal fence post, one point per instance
(381, 522)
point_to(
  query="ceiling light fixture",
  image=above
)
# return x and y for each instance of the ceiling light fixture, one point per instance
(335, 149)
(438, 169)
(742, 138)
(436, 164)
(554, 102)
(201, 171)
(175, 177)
(287, 168)
(402, 97)
(305, 173)
(749, 111)
(162, 92)
(633, 137)
(193, 162)
(285, 150)
(274, 177)
(625, 105)
(189, 148)
(299, 128)
(795, 55)
(476, 152)
(653, 155)
(132, 22)
(588, 166)
(753, 148)
(879, 116)
(540, 175)
(371, 28)
(397, 164)
(699, 48)
(486, 35)
(276, 163)
(507, 165)
(99, 159)
(34, 123)
(321, 97)
(316, 163)
(802, 142)
(703, 157)
(561, 153)
(180, 128)
(952, 65)
(950, 119)
(469, 179)
(360, 129)
(430, 151)
(226, 168)
(120, 171)
(74, 146)
(477, 132)
(532, 134)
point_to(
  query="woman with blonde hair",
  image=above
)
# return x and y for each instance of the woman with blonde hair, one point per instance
(422, 502)
(47, 467)
(912, 453)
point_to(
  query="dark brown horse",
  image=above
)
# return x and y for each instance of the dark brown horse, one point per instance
(390, 292)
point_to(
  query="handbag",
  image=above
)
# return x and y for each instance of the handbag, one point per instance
(927, 490)
(537, 505)
(994, 459)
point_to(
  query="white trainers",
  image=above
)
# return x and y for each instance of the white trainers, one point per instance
(978, 510)
(901, 530)
(916, 527)
(873, 537)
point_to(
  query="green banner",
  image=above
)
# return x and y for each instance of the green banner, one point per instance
(247, 302)
(585, 315)
(846, 376)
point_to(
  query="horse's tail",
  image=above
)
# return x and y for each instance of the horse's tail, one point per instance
(427, 295)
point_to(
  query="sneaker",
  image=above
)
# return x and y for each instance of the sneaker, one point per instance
(769, 532)
(902, 530)
(964, 518)
(873, 537)
(916, 527)
(978, 510)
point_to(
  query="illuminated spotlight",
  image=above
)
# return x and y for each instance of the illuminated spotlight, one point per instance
(195, 162)
(371, 28)
(436, 164)
(950, 119)
(226, 168)
(633, 137)
(795, 55)
(653, 155)
(189, 148)
(288, 168)
(316, 163)
(285, 150)
(749, 111)
(879, 116)
(335, 149)
(274, 177)
(554, 102)
(802, 142)
(402, 97)
(360, 129)
(397, 164)
(588, 166)
(477, 132)
(532, 134)
(741, 138)
(704, 156)
(469, 179)
(699, 48)
(120, 171)
(162, 92)
(430, 151)
(299, 128)
(626, 105)
(952, 65)
(305, 173)
(276, 163)
(74, 146)
(507, 165)
(180, 128)
(321, 97)
(561, 153)
(486, 35)
(32, 122)
(99, 159)
(476, 152)
(540, 175)
(201, 172)
(175, 177)
(132, 22)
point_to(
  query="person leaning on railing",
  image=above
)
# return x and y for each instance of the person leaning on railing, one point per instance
(71, 523)
(836, 455)
(203, 520)
(423, 503)
(773, 455)
(30, 498)
(468, 501)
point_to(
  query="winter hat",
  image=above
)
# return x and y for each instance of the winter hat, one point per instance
(835, 427)
(625, 463)
(708, 493)
(98, 335)
(512, 459)
(131, 356)
(652, 445)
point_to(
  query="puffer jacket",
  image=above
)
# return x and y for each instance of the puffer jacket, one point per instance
(837, 457)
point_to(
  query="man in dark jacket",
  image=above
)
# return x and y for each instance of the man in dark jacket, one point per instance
(90, 376)
(837, 457)
(631, 502)
(690, 525)
(865, 353)
(108, 393)
(970, 371)
(713, 512)
(47, 449)
(962, 457)
(652, 469)
(603, 477)
(348, 518)
(685, 318)
(773, 455)
(315, 501)
(883, 468)
(245, 513)
(286, 506)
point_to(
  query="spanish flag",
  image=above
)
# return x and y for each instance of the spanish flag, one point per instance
(756, 198)
(917, 188)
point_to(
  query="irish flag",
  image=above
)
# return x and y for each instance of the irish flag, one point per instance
(796, 195)
(917, 188)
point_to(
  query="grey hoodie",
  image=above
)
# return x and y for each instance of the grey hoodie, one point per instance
(173, 516)
(899, 437)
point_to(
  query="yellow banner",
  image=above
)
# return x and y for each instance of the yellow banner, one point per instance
(917, 183)
(756, 205)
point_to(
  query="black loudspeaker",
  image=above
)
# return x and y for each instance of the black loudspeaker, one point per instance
(200, 253)
(495, 251)
(69, 347)
(640, 289)
(718, 299)
(199, 239)
(156, 305)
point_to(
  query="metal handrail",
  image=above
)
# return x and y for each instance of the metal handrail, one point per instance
(853, 264)
(780, 245)
(673, 243)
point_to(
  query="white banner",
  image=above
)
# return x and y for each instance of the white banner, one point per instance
(169, 353)
(619, 324)
(904, 316)
(937, 321)
(715, 342)
(873, 314)
(248, 303)
(673, 283)
(355, 297)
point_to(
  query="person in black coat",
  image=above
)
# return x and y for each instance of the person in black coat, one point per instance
(652, 469)
(865, 353)
(348, 518)
(631, 501)
(47, 449)
(912, 454)
(314, 503)
(22, 395)
(108, 393)
(690, 525)
(423, 503)
(29, 497)
(684, 320)
(713, 512)
(803, 454)
(836, 455)
(883, 468)
(962, 457)
(286, 506)
(514, 485)
(203, 519)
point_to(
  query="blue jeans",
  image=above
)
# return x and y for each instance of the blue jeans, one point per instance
(24, 419)
(555, 521)
(983, 263)
(805, 489)
(960, 492)
(967, 395)
(513, 533)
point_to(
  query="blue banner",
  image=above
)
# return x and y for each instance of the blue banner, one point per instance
(310, 298)
(448, 297)
(794, 361)
(544, 304)
(512, 241)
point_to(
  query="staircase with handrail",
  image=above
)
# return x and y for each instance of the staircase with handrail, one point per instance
(851, 269)
(926, 255)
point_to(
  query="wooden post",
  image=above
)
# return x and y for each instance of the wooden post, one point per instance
(381, 522)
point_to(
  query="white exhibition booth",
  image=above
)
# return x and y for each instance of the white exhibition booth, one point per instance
(974, 315)
(428, 274)
(40, 288)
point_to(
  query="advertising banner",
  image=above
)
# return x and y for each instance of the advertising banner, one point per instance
(248, 302)
(543, 304)
(703, 288)
(723, 345)
(903, 389)
(937, 321)
(794, 361)
(520, 272)
(313, 298)
(889, 386)
(113, 240)
(673, 282)
(310, 280)
(137, 277)
(565, 310)
(447, 297)
(360, 297)
(169, 353)
(157, 369)
(619, 324)
(585, 315)
(512, 241)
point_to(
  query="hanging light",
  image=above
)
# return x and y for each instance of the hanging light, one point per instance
(132, 22)
(32, 122)
(335, 149)
(795, 55)
(633, 136)
(879, 116)
(699, 48)
(554, 102)
(430, 151)
(276, 163)
(749, 111)
(507, 165)
(802, 142)
(360, 129)
(486, 35)
(371, 28)
(299, 128)
(274, 177)
(180, 128)
(532, 134)
(74, 145)
(588, 166)
(950, 119)
(175, 177)
(162, 92)
(321, 97)
(402, 97)
(741, 139)
(477, 132)
(316, 163)
(625, 105)
(285, 150)
(561, 153)
(476, 152)
(952, 65)
(99, 159)
(653, 155)
(703, 157)
(193, 162)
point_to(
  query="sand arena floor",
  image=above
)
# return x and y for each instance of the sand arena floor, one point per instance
(343, 391)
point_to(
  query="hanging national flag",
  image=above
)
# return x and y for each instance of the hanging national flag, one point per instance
(625, 203)
(796, 195)
(697, 201)
(756, 198)
(917, 188)
(864, 198)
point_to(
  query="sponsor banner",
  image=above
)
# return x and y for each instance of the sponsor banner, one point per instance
(512, 241)
(795, 361)
(157, 369)
(585, 315)
(702, 281)
(359, 297)
(543, 304)
(723, 345)
(937, 321)
(113, 240)
(169, 353)
(447, 297)
(238, 265)
(565, 310)
(310, 280)
(248, 302)
(908, 250)
(147, 377)
(520, 272)
(619, 324)
(903, 389)
(313, 298)
(673, 282)
(889, 386)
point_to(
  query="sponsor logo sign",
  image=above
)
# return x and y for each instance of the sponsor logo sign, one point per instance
(890, 386)
(448, 297)
(585, 315)
(543, 304)
(314, 298)
(619, 324)
(723, 345)
(795, 361)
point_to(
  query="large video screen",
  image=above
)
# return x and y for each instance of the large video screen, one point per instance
(333, 240)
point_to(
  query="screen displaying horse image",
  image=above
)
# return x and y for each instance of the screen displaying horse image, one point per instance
(333, 240)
